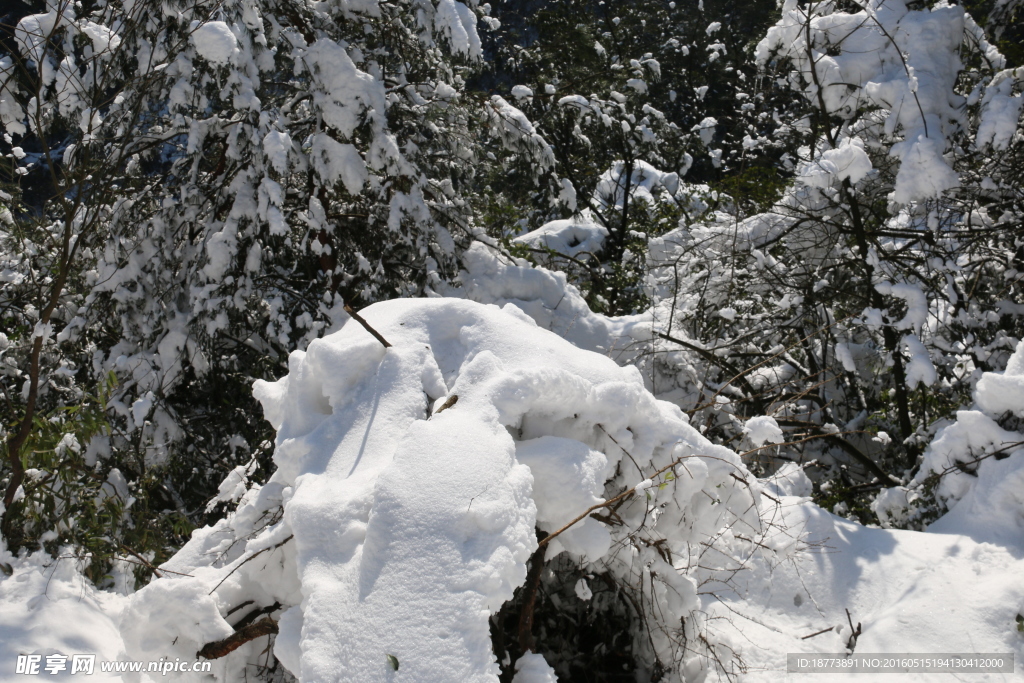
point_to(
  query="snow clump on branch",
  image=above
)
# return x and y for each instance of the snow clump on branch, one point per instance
(902, 62)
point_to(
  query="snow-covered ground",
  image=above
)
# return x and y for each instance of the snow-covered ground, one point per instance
(400, 517)
(911, 592)
(47, 607)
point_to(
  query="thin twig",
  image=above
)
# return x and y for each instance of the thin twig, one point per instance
(143, 561)
(359, 319)
(258, 552)
(757, 543)
(146, 563)
(238, 607)
(854, 632)
(959, 465)
(818, 633)
(155, 570)
(611, 501)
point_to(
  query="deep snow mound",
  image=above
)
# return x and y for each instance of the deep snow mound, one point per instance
(401, 517)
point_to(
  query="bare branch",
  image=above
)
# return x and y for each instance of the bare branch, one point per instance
(359, 319)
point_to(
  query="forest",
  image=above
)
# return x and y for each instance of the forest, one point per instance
(521, 342)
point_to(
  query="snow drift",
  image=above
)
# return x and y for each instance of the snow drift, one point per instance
(401, 517)
(910, 592)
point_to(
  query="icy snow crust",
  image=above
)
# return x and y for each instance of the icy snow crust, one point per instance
(388, 530)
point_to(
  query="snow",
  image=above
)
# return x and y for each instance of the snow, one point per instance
(391, 531)
(789, 480)
(234, 486)
(514, 129)
(180, 607)
(103, 39)
(568, 477)
(917, 304)
(920, 369)
(403, 531)
(336, 161)
(458, 23)
(531, 668)
(924, 172)
(954, 588)
(706, 128)
(47, 607)
(974, 466)
(567, 195)
(763, 429)
(845, 356)
(902, 61)
(992, 508)
(11, 114)
(645, 183)
(896, 583)
(141, 408)
(214, 41)
(220, 250)
(344, 93)
(547, 298)
(33, 31)
(910, 591)
(1001, 393)
(848, 161)
(568, 237)
(1000, 110)
(277, 145)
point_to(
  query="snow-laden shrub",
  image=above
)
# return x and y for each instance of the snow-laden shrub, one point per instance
(974, 468)
(410, 485)
(848, 309)
(590, 247)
